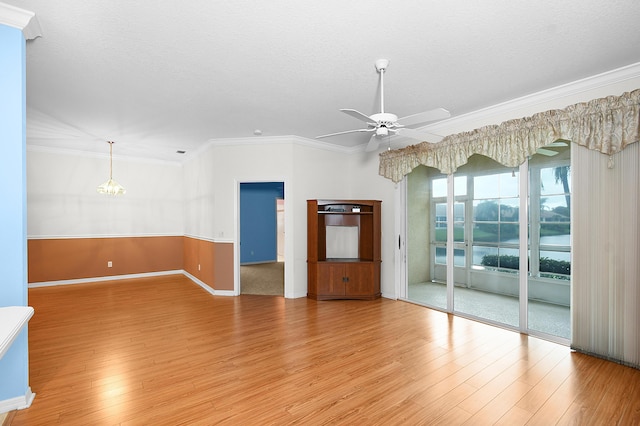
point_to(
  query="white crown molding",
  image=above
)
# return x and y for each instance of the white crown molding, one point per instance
(21, 19)
(286, 139)
(88, 154)
(469, 120)
(312, 143)
(255, 140)
(494, 114)
(530, 102)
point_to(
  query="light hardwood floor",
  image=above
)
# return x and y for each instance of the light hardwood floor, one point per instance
(158, 351)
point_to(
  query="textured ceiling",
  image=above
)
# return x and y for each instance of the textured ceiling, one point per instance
(160, 76)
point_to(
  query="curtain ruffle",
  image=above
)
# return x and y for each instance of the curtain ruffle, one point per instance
(607, 125)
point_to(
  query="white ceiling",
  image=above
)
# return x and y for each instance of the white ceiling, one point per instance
(166, 75)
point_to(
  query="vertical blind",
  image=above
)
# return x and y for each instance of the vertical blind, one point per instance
(606, 254)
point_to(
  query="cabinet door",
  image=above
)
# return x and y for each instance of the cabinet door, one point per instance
(360, 279)
(331, 279)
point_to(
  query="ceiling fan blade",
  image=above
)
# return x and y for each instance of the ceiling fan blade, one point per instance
(419, 135)
(557, 143)
(344, 133)
(358, 115)
(424, 117)
(373, 143)
(547, 152)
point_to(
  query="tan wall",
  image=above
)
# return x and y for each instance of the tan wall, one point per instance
(198, 258)
(215, 261)
(223, 270)
(77, 258)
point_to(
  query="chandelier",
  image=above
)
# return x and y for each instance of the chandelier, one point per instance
(111, 187)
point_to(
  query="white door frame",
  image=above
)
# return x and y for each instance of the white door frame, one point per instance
(400, 238)
(288, 234)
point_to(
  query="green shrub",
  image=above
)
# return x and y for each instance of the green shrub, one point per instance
(507, 262)
(513, 262)
(555, 266)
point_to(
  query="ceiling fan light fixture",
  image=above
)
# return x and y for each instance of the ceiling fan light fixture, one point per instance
(111, 187)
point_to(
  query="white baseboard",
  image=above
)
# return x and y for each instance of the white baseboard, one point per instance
(106, 278)
(17, 403)
(207, 288)
(210, 290)
(129, 276)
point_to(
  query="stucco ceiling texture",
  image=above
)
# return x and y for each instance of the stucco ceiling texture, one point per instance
(168, 75)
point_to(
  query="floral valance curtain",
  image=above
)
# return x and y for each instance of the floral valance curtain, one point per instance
(607, 125)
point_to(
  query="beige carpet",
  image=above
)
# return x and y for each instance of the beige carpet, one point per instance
(263, 278)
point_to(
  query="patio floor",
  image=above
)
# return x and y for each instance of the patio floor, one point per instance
(543, 317)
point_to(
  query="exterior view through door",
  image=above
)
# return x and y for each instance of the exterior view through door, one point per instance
(503, 254)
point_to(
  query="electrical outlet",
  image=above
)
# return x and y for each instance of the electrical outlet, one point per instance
(109, 264)
(198, 266)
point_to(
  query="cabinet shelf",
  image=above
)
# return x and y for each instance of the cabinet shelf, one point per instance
(345, 213)
(344, 260)
(353, 276)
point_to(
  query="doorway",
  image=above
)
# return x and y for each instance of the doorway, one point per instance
(261, 238)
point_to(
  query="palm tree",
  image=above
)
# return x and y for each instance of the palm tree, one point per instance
(561, 174)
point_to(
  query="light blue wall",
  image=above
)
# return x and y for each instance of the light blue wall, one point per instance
(258, 221)
(14, 374)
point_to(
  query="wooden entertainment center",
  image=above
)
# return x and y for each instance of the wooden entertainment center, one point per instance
(343, 249)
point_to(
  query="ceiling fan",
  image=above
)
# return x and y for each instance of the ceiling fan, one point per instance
(549, 152)
(386, 124)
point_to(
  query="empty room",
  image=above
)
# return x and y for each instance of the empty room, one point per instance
(331, 212)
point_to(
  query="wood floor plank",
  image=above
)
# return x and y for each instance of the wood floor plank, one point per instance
(599, 400)
(547, 385)
(514, 417)
(495, 409)
(161, 350)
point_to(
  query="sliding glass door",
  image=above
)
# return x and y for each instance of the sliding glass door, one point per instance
(467, 233)
(549, 280)
(491, 289)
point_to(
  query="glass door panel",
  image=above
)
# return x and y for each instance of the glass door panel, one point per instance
(549, 280)
(490, 288)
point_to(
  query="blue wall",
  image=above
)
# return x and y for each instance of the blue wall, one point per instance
(14, 373)
(258, 221)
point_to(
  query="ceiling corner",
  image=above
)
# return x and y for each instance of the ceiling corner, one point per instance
(21, 19)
